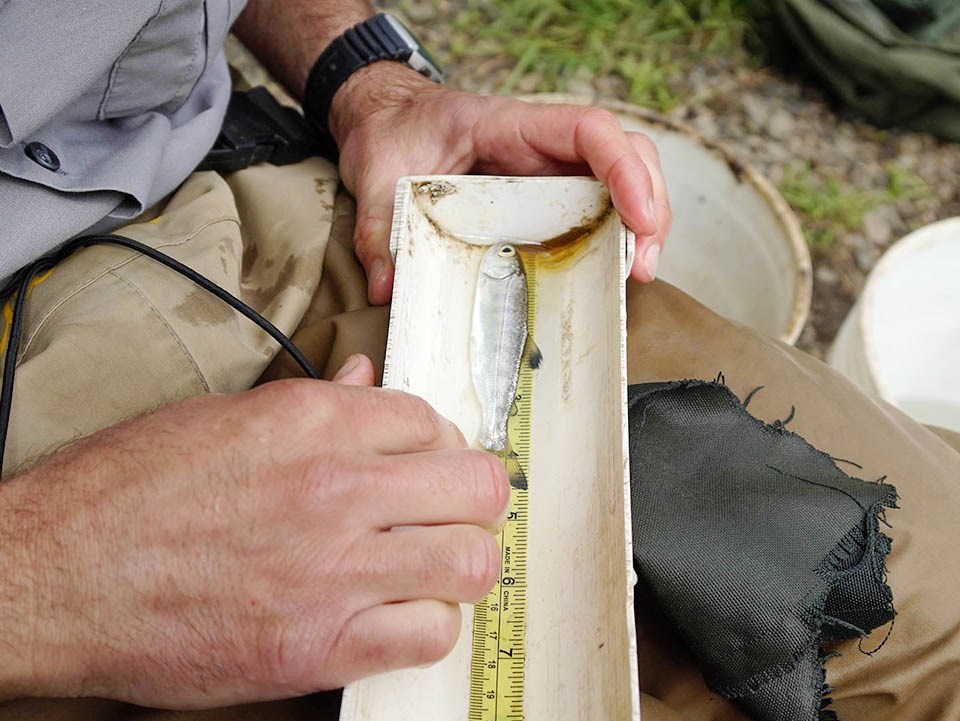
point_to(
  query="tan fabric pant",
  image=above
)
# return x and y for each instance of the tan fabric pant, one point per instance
(111, 334)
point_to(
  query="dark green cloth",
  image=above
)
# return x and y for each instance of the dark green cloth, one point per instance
(897, 62)
(755, 545)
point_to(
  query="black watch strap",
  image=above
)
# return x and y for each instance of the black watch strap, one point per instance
(372, 40)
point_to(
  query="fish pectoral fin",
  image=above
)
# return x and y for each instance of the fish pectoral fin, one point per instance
(531, 351)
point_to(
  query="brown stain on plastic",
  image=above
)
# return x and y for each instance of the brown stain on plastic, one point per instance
(564, 250)
(558, 254)
(566, 349)
(435, 189)
(459, 250)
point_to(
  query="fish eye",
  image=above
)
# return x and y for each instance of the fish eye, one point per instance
(507, 251)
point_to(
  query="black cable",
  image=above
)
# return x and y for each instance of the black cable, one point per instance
(10, 355)
(21, 285)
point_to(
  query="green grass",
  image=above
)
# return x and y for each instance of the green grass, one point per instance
(650, 44)
(907, 185)
(829, 207)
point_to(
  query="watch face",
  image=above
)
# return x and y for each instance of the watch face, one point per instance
(420, 60)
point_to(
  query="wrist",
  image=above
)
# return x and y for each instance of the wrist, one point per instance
(350, 71)
(381, 85)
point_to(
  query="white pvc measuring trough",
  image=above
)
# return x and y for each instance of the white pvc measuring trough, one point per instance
(580, 648)
(736, 246)
(901, 341)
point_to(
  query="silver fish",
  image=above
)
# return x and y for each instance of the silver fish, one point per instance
(498, 337)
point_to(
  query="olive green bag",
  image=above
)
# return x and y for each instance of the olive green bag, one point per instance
(897, 62)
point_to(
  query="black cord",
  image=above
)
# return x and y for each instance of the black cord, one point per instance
(21, 285)
(10, 356)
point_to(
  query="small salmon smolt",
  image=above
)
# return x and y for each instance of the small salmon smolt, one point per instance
(498, 338)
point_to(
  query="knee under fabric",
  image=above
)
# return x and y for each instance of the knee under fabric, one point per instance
(755, 545)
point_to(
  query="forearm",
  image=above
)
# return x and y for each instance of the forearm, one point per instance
(33, 660)
(288, 35)
(16, 590)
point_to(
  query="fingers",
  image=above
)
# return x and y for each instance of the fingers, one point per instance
(371, 240)
(357, 370)
(523, 138)
(601, 142)
(647, 256)
(370, 421)
(455, 563)
(437, 487)
(553, 139)
(399, 635)
(393, 422)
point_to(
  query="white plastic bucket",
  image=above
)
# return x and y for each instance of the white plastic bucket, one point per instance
(736, 246)
(901, 341)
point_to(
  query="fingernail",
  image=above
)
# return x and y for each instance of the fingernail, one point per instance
(348, 366)
(651, 260)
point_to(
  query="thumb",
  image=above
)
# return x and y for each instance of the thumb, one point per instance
(357, 370)
(371, 241)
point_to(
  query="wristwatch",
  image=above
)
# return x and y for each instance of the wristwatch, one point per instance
(382, 37)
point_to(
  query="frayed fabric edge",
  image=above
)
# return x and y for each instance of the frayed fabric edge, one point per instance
(833, 563)
(878, 546)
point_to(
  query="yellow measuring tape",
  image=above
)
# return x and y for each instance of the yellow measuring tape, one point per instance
(499, 620)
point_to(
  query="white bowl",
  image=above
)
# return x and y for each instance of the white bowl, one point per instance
(901, 341)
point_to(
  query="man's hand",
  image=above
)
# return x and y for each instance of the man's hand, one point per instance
(389, 122)
(233, 548)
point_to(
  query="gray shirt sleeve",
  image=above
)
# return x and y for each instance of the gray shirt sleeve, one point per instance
(126, 97)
